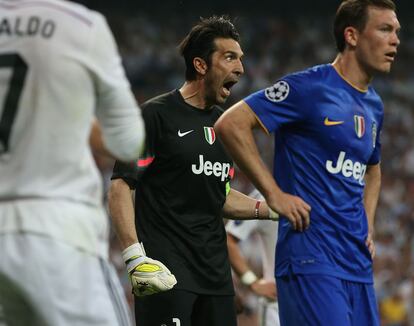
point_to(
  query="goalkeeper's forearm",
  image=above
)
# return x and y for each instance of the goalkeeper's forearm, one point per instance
(122, 213)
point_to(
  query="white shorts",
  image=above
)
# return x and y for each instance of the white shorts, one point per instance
(51, 283)
(268, 313)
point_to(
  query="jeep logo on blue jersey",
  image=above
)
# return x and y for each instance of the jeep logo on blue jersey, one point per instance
(220, 170)
(347, 167)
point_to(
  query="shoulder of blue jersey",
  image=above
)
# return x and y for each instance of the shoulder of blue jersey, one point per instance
(278, 92)
(281, 89)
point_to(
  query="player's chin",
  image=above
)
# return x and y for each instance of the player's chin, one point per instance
(384, 68)
(222, 98)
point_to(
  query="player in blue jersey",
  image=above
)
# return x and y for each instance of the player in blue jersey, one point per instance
(327, 122)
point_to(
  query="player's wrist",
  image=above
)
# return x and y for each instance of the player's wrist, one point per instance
(256, 212)
(264, 212)
(248, 278)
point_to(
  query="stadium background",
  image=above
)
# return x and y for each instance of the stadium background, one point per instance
(279, 37)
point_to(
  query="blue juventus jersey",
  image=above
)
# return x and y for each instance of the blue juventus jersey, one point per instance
(326, 133)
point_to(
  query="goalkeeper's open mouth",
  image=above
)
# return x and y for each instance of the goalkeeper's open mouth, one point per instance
(227, 85)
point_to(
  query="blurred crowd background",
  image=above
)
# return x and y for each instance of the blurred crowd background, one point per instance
(278, 38)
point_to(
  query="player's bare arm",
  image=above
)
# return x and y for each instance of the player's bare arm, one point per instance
(239, 206)
(148, 276)
(121, 208)
(235, 127)
(239, 264)
(371, 194)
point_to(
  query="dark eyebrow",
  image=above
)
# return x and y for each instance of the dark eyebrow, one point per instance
(388, 25)
(233, 53)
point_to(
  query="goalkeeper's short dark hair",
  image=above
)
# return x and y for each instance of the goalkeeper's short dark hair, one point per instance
(199, 42)
(355, 13)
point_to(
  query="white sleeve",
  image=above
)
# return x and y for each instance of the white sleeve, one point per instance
(241, 229)
(117, 110)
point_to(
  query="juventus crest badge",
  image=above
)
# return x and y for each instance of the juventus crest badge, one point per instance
(359, 125)
(210, 135)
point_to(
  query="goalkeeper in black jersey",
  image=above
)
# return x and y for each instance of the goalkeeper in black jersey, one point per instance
(182, 192)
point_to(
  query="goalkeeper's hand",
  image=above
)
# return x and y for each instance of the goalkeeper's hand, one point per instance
(148, 276)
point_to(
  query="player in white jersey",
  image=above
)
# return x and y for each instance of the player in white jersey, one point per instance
(59, 67)
(264, 287)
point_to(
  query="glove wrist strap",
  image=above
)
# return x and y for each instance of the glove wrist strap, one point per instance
(133, 252)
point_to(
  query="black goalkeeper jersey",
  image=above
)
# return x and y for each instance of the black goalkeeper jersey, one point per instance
(180, 192)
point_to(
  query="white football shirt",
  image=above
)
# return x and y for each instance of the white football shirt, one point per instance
(59, 66)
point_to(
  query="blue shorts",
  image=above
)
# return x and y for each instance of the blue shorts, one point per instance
(323, 300)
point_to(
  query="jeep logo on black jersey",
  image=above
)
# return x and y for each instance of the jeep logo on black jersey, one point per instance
(220, 170)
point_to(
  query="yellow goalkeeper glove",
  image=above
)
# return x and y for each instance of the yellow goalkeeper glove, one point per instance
(148, 276)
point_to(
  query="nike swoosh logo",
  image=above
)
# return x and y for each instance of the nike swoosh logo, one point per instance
(182, 134)
(328, 122)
